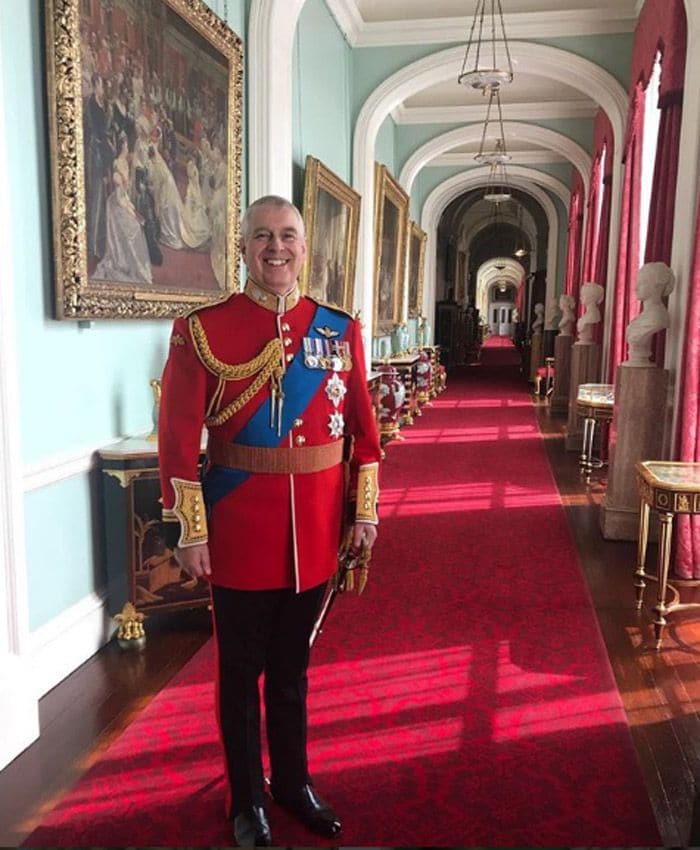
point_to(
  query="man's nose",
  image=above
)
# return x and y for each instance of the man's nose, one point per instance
(275, 242)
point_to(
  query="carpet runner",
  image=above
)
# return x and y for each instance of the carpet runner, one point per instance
(465, 699)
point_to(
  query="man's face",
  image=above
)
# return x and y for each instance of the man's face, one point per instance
(275, 248)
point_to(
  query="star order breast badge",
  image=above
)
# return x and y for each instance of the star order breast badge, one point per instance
(336, 389)
(336, 424)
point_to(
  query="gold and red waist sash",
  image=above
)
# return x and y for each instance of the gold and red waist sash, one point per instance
(275, 459)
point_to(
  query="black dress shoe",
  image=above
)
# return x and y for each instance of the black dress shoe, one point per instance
(311, 810)
(251, 828)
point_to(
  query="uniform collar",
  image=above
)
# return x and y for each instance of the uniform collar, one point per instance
(271, 300)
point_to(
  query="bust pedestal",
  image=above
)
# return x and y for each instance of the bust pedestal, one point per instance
(585, 362)
(559, 402)
(536, 355)
(636, 435)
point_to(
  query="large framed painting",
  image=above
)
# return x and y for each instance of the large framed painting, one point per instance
(390, 231)
(331, 220)
(416, 268)
(145, 111)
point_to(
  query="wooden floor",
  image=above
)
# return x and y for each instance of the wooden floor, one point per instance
(660, 690)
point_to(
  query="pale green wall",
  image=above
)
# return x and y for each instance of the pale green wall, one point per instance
(322, 95)
(385, 147)
(81, 385)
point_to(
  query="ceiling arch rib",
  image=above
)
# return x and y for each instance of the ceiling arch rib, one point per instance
(515, 131)
(530, 181)
(575, 71)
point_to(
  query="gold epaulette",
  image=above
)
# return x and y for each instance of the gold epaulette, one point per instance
(268, 365)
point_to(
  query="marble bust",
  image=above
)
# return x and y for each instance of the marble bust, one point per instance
(538, 323)
(592, 295)
(567, 305)
(654, 282)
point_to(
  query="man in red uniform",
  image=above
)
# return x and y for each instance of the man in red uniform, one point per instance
(279, 380)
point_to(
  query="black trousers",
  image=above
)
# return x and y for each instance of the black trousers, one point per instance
(263, 631)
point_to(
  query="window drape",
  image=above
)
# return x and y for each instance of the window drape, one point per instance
(572, 281)
(625, 304)
(687, 564)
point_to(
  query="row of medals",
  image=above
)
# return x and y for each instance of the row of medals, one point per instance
(327, 354)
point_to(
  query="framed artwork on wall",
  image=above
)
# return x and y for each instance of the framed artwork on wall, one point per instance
(145, 113)
(331, 219)
(390, 232)
(416, 268)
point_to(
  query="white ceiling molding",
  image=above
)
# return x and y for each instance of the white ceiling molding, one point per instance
(271, 30)
(516, 131)
(348, 18)
(516, 158)
(544, 110)
(530, 181)
(538, 59)
(574, 22)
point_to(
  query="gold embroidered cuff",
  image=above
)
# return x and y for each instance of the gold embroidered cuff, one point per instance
(189, 511)
(367, 493)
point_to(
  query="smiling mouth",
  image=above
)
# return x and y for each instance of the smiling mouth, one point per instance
(276, 263)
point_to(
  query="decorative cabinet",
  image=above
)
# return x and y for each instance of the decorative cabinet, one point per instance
(141, 568)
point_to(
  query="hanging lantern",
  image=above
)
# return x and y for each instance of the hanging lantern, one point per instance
(497, 188)
(484, 66)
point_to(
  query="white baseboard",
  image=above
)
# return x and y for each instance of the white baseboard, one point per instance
(20, 709)
(60, 646)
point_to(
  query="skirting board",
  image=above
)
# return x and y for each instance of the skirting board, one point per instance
(60, 646)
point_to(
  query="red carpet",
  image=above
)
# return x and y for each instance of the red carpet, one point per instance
(464, 700)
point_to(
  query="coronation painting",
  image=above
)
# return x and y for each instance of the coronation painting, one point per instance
(416, 264)
(145, 105)
(331, 220)
(390, 230)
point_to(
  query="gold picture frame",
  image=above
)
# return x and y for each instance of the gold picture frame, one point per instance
(145, 115)
(331, 220)
(390, 232)
(417, 239)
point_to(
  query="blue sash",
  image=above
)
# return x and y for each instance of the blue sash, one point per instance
(299, 385)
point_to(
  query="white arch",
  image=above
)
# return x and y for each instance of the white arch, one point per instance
(467, 234)
(552, 62)
(524, 132)
(270, 49)
(526, 179)
(488, 275)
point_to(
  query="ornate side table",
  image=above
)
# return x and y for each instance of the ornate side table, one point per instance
(141, 569)
(594, 403)
(668, 488)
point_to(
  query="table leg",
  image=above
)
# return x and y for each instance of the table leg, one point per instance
(586, 462)
(663, 567)
(642, 541)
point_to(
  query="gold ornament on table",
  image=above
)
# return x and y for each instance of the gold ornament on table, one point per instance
(130, 631)
(157, 389)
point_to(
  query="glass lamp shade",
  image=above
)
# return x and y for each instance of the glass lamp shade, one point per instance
(483, 79)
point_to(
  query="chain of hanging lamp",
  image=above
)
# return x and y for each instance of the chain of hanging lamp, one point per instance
(479, 70)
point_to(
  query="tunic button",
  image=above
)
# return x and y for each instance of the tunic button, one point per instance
(298, 423)
(287, 341)
(285, 327)
(300, 440)
(198, 527)
(290, 357)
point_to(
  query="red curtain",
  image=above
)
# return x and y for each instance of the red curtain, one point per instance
(591, 237)
(661, 27)
(688, 528)
(572, 282)
(626, 306)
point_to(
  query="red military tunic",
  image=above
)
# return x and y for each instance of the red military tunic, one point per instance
(226, 362)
